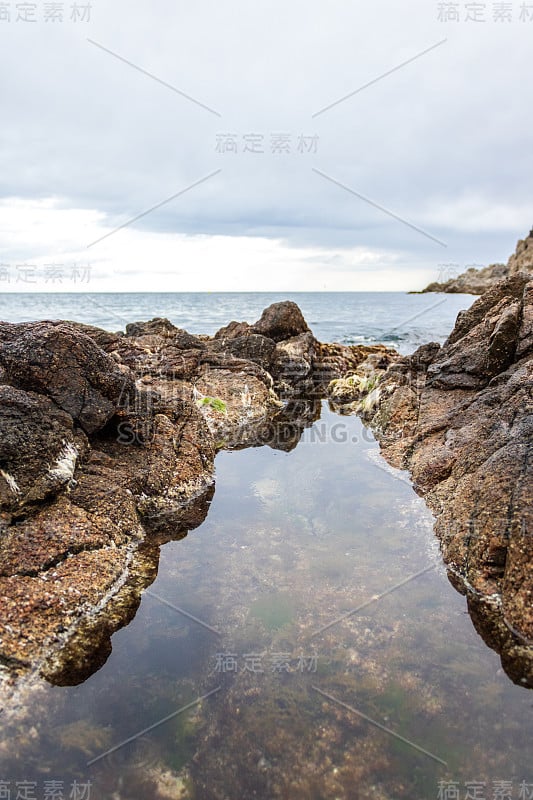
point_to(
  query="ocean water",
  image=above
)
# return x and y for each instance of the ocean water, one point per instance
(277, 652)
(400, 320)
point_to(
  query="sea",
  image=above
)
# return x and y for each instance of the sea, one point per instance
(404, 321)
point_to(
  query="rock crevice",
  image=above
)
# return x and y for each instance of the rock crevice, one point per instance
(460, 419)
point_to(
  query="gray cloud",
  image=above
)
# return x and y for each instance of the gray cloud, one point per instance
(440, 142)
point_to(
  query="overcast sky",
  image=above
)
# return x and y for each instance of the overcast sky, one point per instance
(428, 166)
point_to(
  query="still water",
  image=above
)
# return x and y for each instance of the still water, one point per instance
(399, 699)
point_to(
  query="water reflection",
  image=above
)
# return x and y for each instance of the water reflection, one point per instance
(295, 539)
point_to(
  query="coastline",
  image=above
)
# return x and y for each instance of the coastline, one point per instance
(241, 388)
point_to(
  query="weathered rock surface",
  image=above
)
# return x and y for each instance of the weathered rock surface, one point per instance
(460, 419)
(57, 360)
(478, 281)
(281, 321)
(107, 444)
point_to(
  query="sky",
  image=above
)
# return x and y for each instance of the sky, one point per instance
(276, 146)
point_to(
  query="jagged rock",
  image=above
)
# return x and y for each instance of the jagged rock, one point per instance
(292, 364)
(460, 418)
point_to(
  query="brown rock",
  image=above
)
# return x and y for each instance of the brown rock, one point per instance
(234, 330)
(460, 418)
(57, 360)
(479, 281)
(281, 321)
(38, 448)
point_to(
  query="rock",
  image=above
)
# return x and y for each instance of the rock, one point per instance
(159, 326)
(292, 365)
(333, 361)
(38, 449)
(234, 330)
(235, 406)
(252, 347)
(482, 353)
(522, 258)
(460, 418)
(478, 281)
(56, 360)
(186, 341)
(281, 321)
(104, 339)
(75, 505)
(360, 383)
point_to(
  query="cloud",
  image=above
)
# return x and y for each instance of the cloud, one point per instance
(92, 142)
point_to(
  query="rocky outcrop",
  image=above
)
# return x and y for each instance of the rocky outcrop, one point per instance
(107, 446)
(460, 419)
(478, 281)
